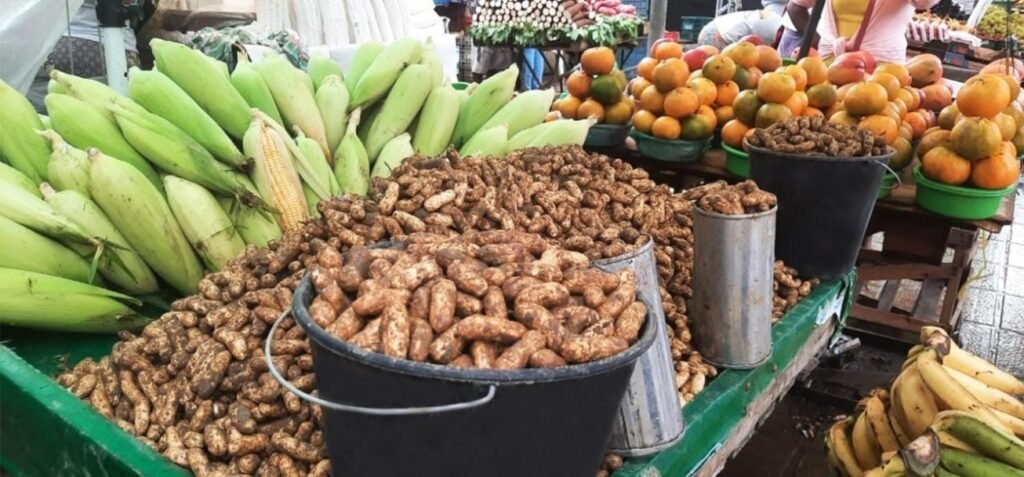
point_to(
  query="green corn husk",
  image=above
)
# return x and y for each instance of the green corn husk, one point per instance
(404, 101)
(14, 176)
(205, 224)
(36, 300)
(311, 152)
(392, 155)
(320, 67)
(19, 144)
(257, 227)
(436, 122)
(38, 253)
(293, 93)
(489, 97)
(69, 166)
(487, 142)
(248, 82)
(332, 101)
(562, 132)
(33, 212)
(374, 83)
(352, 165)
(525, 111)
(361, 60)
(433, 62)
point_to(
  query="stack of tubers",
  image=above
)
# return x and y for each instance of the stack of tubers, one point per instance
(194, 386)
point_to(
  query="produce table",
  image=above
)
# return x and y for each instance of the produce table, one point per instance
(56, 431)
(722, 418)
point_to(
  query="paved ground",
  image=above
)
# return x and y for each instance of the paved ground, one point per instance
(993, 313)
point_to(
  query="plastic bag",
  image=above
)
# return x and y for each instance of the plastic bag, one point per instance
(28, 32)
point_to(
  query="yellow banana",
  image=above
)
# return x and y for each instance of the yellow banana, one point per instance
(949, 391)
(874, 409)
(970, 364)
(1011, 423)
(897, 427)
(865, 447)
(917, 403)
(949, 440)
(838, 441)
(988, 395)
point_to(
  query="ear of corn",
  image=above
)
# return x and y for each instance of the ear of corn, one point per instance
(311, 200)
(53, 87)
(274, 174)
(91, 92)
(205, 224)
(392, 155)
(33, 212)
(83, 127)
(487, 142)
(374, 83)
(45, 120)
(332, 101)
(436, 121)
(433, 63)
(352, 166)
(69, 166)
(399, 109)
(320, 67)
(489, 97)
(257, 227)
(555, 133)
(361, 61)
(15, 177)
(177, 153)
(294, 96)
(162, 97)
(47, 302)
(312, 154)
(23, 148)
(526, 110)
(141, 214)
(248, 82)
(37, 253)
(118, 262)
(206, 82)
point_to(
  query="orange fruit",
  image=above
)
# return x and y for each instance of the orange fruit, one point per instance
(945, 166)
(795, 105)
(975, 138)
(811, 111)
(1018, 139)
(983, 96)
(591, 108)
(906, 132)
(724, 114)
(814, 67)
(1012, 84)
(568, 106)
(652, 100)
(750, 132)
(697, 127)
(771, 113)
(841, 92)
(1015, 111)
(599, 60)
(743, 53)
(719, 69)
(645, 68)
(745, 106)
(910, 98)
(843, 118)
(900, 108)
(643, 120)
(709, 115)
(798, 74)
(733, 133)
(666, 128)
(889, 82)
(670, 74)
(936, 97)
(638, 85)
(726, 93)
(681, 102)
(776, 87)
(997, 171)
(705, 89)
(903, 154)
(865, 99)
(767, 58)
(753, 77)
(882, 126)
(918, 123)
(948, 117)
(618, 113)
(932, 140)
(1007, 126)
(897, 70)
(821, 95)
(668, 49)
(578, 84)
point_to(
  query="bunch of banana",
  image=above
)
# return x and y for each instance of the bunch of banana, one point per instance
(966, 404)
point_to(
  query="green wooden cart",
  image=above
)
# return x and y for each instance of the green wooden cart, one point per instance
(45, 431)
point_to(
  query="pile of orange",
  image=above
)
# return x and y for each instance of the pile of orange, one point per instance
(977, 139)
(780, 94)
(672, 104)
(596, 90)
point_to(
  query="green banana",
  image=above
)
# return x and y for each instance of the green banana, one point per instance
(970, 465)
(981, 436)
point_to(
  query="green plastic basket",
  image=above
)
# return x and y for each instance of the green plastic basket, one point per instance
(885, 189)
(670, 151)
(737, 161)
(606, 135)
(958, 202)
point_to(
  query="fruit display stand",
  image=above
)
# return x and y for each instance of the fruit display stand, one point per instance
(57, 431)
(722, 418)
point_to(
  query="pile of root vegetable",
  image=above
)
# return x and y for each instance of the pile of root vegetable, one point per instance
(194, 386)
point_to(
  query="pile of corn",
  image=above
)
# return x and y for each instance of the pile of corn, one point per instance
(111, 197)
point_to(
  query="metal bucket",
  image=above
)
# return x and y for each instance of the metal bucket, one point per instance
(649, 418)
(731, 309)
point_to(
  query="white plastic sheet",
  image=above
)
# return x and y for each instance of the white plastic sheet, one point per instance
(29, 29)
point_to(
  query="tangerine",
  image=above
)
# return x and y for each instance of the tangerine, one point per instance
(902, 155)
(771, 113)
(945, 166)
(578, 84)
(724, 114)
(983, 96)
(948, 117)
(618, 113)
(998, 171)
(881, 126)
(568, 107)
(891, 84)
(643, 120)
(768, 59)
(598, 60)
(705, 89)
(1007, 126)
(670, 74)
(815, 68)
(591, 108)
(821, 95)
(666, 127)
(709, 115)
(668, 49)
(652, 100)
(743, 53)
(726, 93)
(733, 133)
(645, 68)
(638, 85)
(681, 102)
(719, 69)
(975, 138)
(865, 99)
(697, 128)
(933, 140)
(798, 74)
(776, 87)
(897, 70)
(745, 106)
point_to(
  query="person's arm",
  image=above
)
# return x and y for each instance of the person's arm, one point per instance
(800, 15)
(923, 4)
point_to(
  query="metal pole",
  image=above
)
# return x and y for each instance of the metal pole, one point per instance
(657, 20)
(812, 29)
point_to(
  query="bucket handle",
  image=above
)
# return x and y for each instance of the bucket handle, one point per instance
(374, 411)
(899, 180)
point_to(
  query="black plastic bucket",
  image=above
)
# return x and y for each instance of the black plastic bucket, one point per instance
(423, 419)
(824, 207)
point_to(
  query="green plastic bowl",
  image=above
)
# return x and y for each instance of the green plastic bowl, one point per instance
(965, 203)
(788, 61)
(737, 161)
(459, 85)
(885, 189)
(606, 135)
(670, 151)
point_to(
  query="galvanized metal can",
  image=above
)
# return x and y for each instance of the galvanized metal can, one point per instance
(650, 417)
(731, 308)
